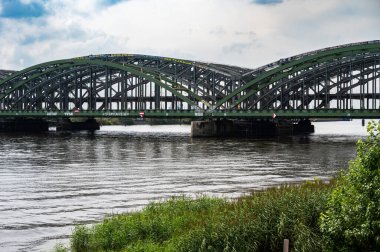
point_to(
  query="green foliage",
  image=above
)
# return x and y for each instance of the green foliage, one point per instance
(262, 221)
(60, 248)
(80, 241)
(148, 230)
(352, 219)
(257, 222)
(343, 215)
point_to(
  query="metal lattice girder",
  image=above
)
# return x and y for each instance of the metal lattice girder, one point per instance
(235, 114)
(5, 73)
(293, 66)
(342, 77)
(62, 76)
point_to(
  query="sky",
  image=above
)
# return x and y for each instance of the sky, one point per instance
(247, 33)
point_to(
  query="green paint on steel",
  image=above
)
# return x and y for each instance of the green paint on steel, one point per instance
(279, 75)
(125, 67)
(20, 73)
(35, 76)
(275, 74)
(145, 74)
(137, 72)
(316, 58)
(230, 114)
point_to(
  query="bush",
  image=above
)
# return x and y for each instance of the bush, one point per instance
(352, 219)
(148, 230)
(256, 222)
(60, 248)
(80, 241)
(262, 221)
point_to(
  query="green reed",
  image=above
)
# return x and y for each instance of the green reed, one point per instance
(256, 222)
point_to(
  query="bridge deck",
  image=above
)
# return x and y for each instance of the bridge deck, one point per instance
(237, 114)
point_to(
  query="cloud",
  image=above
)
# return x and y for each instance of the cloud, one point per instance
(250, 35)
(244, 40)
(111, 2)
(83, 7)
(238, 48)
(21, 9)
(218, 31)
(268, 1)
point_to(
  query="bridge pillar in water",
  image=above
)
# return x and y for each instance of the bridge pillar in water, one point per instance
(303, 127)
(24, 125)
(249, 128)
(67, 125)
(232, 128)
(212, 128)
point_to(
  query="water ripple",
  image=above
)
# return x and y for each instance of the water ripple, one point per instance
(53, 181)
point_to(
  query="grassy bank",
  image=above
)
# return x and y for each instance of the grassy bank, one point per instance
(256, 222)
(342, 215)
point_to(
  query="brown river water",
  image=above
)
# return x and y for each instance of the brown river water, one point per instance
(51, 182)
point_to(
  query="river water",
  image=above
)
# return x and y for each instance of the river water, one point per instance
(51, 182)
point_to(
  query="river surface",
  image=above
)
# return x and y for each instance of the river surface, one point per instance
(51, 182)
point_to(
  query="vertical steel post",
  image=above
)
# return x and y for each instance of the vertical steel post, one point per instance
(76, 89)
(157, 96)
(327, 84)
(361, 84)
(350, 85)
(106, 91)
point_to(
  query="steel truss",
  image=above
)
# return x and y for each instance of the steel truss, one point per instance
(345, 77)
(5, 73)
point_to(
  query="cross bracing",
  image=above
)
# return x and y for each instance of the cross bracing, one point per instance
(5, 73)
(340, 78)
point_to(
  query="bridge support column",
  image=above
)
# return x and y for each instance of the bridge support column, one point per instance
(67, 125)
(303, 127)
(24, 125)
(212, 128)
(254, 128)
(249, 128)
(232, 128)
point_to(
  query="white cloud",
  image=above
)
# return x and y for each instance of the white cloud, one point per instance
(231, 32)
(28, 1)
(74, 7)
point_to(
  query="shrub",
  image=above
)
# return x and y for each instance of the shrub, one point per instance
(256, 222)
(352, 219)
(60, 248)
(81, 239)
(148, 230)
(262, 221)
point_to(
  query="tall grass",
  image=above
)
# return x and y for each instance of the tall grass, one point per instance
(256, 222)
(261, 221)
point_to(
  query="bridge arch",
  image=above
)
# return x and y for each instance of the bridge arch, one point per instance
(92, 85)
(290, 82)
(342, 77)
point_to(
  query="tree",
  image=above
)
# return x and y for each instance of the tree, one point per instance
(352, 219)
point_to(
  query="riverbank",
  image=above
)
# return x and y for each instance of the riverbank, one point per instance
(259, 221)
(341, 215)
(55, 181)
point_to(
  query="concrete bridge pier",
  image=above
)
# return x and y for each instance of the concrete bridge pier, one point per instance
(68, 125)
(232, 128)
(24, 125)
(212, 128)
(303, 127)
(249, 128)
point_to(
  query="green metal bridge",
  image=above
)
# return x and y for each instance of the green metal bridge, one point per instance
(335, 82)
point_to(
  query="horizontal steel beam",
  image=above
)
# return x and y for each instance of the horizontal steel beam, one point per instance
(230, 114)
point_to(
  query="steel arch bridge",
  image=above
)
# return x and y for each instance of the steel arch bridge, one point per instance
(340, 81)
